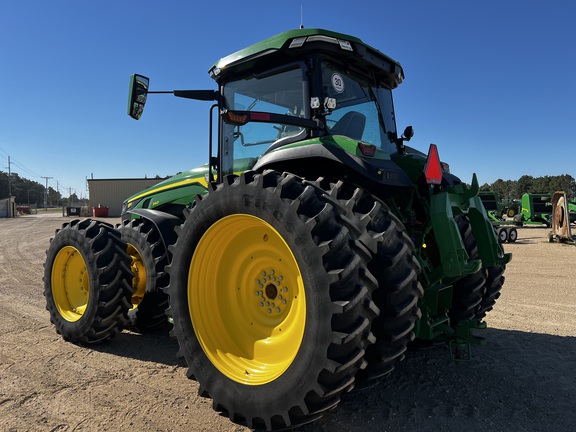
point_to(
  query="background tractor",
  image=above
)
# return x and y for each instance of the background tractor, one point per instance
(308, 252)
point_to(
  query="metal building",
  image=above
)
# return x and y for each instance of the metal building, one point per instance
(112, 192)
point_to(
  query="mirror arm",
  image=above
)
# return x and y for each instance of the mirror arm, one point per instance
(204, 95)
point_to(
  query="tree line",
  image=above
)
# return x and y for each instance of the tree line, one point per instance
(514, 189)
(32, 192)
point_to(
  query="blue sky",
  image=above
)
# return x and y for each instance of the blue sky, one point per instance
(492, 83)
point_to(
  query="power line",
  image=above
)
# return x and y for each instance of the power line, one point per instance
(32, 173)
(23, 168)
(20, 165)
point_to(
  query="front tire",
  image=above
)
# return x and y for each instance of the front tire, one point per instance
(270, 298)
(149, 258)
(87, 281)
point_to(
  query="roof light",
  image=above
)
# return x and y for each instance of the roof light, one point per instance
(345, 45)
(322, 38)
(297, 43)
(300, 41)
(433, 169)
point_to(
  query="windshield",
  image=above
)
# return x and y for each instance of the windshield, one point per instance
(284, 93)
(363, 111)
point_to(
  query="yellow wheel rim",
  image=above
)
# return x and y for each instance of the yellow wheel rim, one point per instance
(246, 299)
(139, 280)
(70, 283)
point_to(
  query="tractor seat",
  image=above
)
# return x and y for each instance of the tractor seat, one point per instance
(351, 125)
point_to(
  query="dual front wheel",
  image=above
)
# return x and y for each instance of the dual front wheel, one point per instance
(99, 280)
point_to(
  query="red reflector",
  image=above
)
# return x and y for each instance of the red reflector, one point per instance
(260, 116)
(367, 149)
(433, 169)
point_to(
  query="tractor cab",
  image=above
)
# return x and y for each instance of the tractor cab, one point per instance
(300, 86)
(306, 87)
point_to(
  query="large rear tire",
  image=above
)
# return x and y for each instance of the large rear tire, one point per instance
(492, 290)
(468, 290)
(149, 258)
(396, 269)
(270, 297)
(87, 281)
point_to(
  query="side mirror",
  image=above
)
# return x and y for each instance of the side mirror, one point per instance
(138, 94)
(408, 133)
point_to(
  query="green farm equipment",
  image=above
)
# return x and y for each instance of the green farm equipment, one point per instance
(308, 252)
(572, 211)
(536, 209)
(492, 204)
(505, 227)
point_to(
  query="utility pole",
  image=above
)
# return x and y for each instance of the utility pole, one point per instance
(9, 184)
(46, 193)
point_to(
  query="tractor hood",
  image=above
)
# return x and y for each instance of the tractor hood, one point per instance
(172, 189)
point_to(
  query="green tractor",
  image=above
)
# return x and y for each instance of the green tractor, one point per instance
(306, 255)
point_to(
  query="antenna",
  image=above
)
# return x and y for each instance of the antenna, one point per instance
(301, 18)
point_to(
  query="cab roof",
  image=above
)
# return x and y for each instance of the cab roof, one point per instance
(276, 50)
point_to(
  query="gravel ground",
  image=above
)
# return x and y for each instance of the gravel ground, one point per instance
(523, 379)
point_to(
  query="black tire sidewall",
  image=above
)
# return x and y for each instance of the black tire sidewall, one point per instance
(149, 315)
(71, 237)
(132, 235)
(296, 381)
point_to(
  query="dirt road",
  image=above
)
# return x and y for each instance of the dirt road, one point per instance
(523, 379)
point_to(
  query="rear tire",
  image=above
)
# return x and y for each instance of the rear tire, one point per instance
(270, 353)
(395, 267)
(468, 290)
(87, 281)
(149, 258)
(492, 289)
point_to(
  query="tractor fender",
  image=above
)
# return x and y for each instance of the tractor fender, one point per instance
(164, 222)
(315, 159)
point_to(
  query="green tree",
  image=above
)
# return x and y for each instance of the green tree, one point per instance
(525, 184)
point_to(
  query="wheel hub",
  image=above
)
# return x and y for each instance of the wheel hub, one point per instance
(271, 294)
